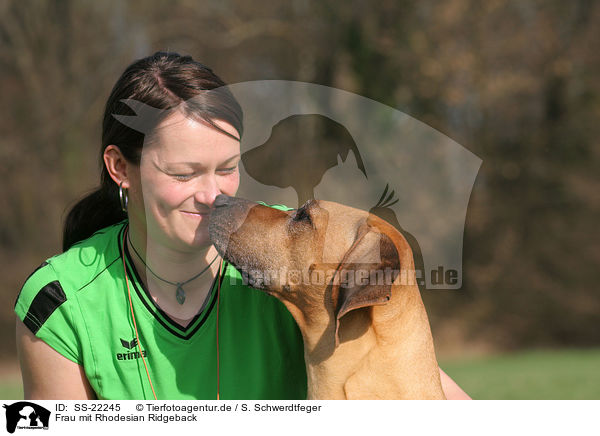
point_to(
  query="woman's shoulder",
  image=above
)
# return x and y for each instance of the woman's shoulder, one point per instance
(79, 264)
(86, 252)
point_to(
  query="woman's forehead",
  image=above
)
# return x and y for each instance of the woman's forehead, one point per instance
(182, 138)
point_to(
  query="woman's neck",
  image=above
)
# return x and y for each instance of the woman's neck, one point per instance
(161, 269)
(164, 259)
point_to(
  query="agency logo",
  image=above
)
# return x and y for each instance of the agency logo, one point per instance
(132, 354)
(304, 141)
(26, 415)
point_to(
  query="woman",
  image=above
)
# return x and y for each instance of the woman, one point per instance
(139, 305)
(87, 330)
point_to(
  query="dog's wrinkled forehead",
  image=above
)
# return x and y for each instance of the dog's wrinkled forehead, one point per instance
(347, 223)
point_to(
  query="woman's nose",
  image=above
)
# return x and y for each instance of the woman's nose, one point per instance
(207, 190)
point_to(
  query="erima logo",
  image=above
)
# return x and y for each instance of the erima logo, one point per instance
(131, 355)
(130, 344)
(26, 415)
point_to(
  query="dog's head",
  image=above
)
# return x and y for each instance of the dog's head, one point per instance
(322, 260)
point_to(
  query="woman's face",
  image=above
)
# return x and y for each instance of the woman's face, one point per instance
(185, 164)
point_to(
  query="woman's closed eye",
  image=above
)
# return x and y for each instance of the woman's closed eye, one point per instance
(228, 170)
(182, 177)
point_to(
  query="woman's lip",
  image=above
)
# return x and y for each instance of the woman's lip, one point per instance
(195, 213)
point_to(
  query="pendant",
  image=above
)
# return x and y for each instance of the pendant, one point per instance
(180, 294)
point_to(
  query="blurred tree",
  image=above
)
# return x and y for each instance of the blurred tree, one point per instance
(514, 81)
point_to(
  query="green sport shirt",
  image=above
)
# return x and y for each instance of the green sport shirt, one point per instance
(77, 303)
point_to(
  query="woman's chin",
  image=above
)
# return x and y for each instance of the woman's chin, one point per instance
(200, 238)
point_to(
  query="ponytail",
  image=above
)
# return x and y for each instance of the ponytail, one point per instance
(97, 210)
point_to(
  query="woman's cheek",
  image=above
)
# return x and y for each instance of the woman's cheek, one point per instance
(178, 193)
(231, 184)
(170, 196)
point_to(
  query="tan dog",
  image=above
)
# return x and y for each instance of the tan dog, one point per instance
(347, 278)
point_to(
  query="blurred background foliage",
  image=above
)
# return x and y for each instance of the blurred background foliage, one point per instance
(514, 81)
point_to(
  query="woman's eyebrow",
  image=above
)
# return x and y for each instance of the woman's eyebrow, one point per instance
(200, 164)
(235, 156)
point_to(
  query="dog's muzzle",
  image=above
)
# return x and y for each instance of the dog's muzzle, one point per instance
(226, 217)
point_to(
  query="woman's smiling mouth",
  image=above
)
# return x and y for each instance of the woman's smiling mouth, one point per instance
(195, 214)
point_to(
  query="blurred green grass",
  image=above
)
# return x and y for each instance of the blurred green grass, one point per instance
(530, 375)
(11, 388)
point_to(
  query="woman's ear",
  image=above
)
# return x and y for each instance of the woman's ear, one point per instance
(116, 165)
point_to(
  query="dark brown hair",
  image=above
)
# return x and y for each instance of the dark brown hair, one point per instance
(161, 82)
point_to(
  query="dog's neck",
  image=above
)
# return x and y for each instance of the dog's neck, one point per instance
(384, 352)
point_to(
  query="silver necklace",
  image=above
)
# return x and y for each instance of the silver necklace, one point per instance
(179, 291)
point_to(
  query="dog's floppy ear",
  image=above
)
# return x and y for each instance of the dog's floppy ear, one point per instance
(362, 282)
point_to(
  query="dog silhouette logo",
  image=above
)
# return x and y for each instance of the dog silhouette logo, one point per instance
(303, 141)
(26, 415)
(300, 150)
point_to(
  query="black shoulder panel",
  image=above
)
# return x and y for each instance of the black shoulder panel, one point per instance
(45, 302)
(29, 276)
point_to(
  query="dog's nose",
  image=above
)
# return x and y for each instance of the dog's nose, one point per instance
(221, 200)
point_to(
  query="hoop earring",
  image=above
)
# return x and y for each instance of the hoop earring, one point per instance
(123, 197)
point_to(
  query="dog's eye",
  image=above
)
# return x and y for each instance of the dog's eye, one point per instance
(301, 215)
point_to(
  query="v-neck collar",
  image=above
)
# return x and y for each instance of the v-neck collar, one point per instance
(150, 305)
